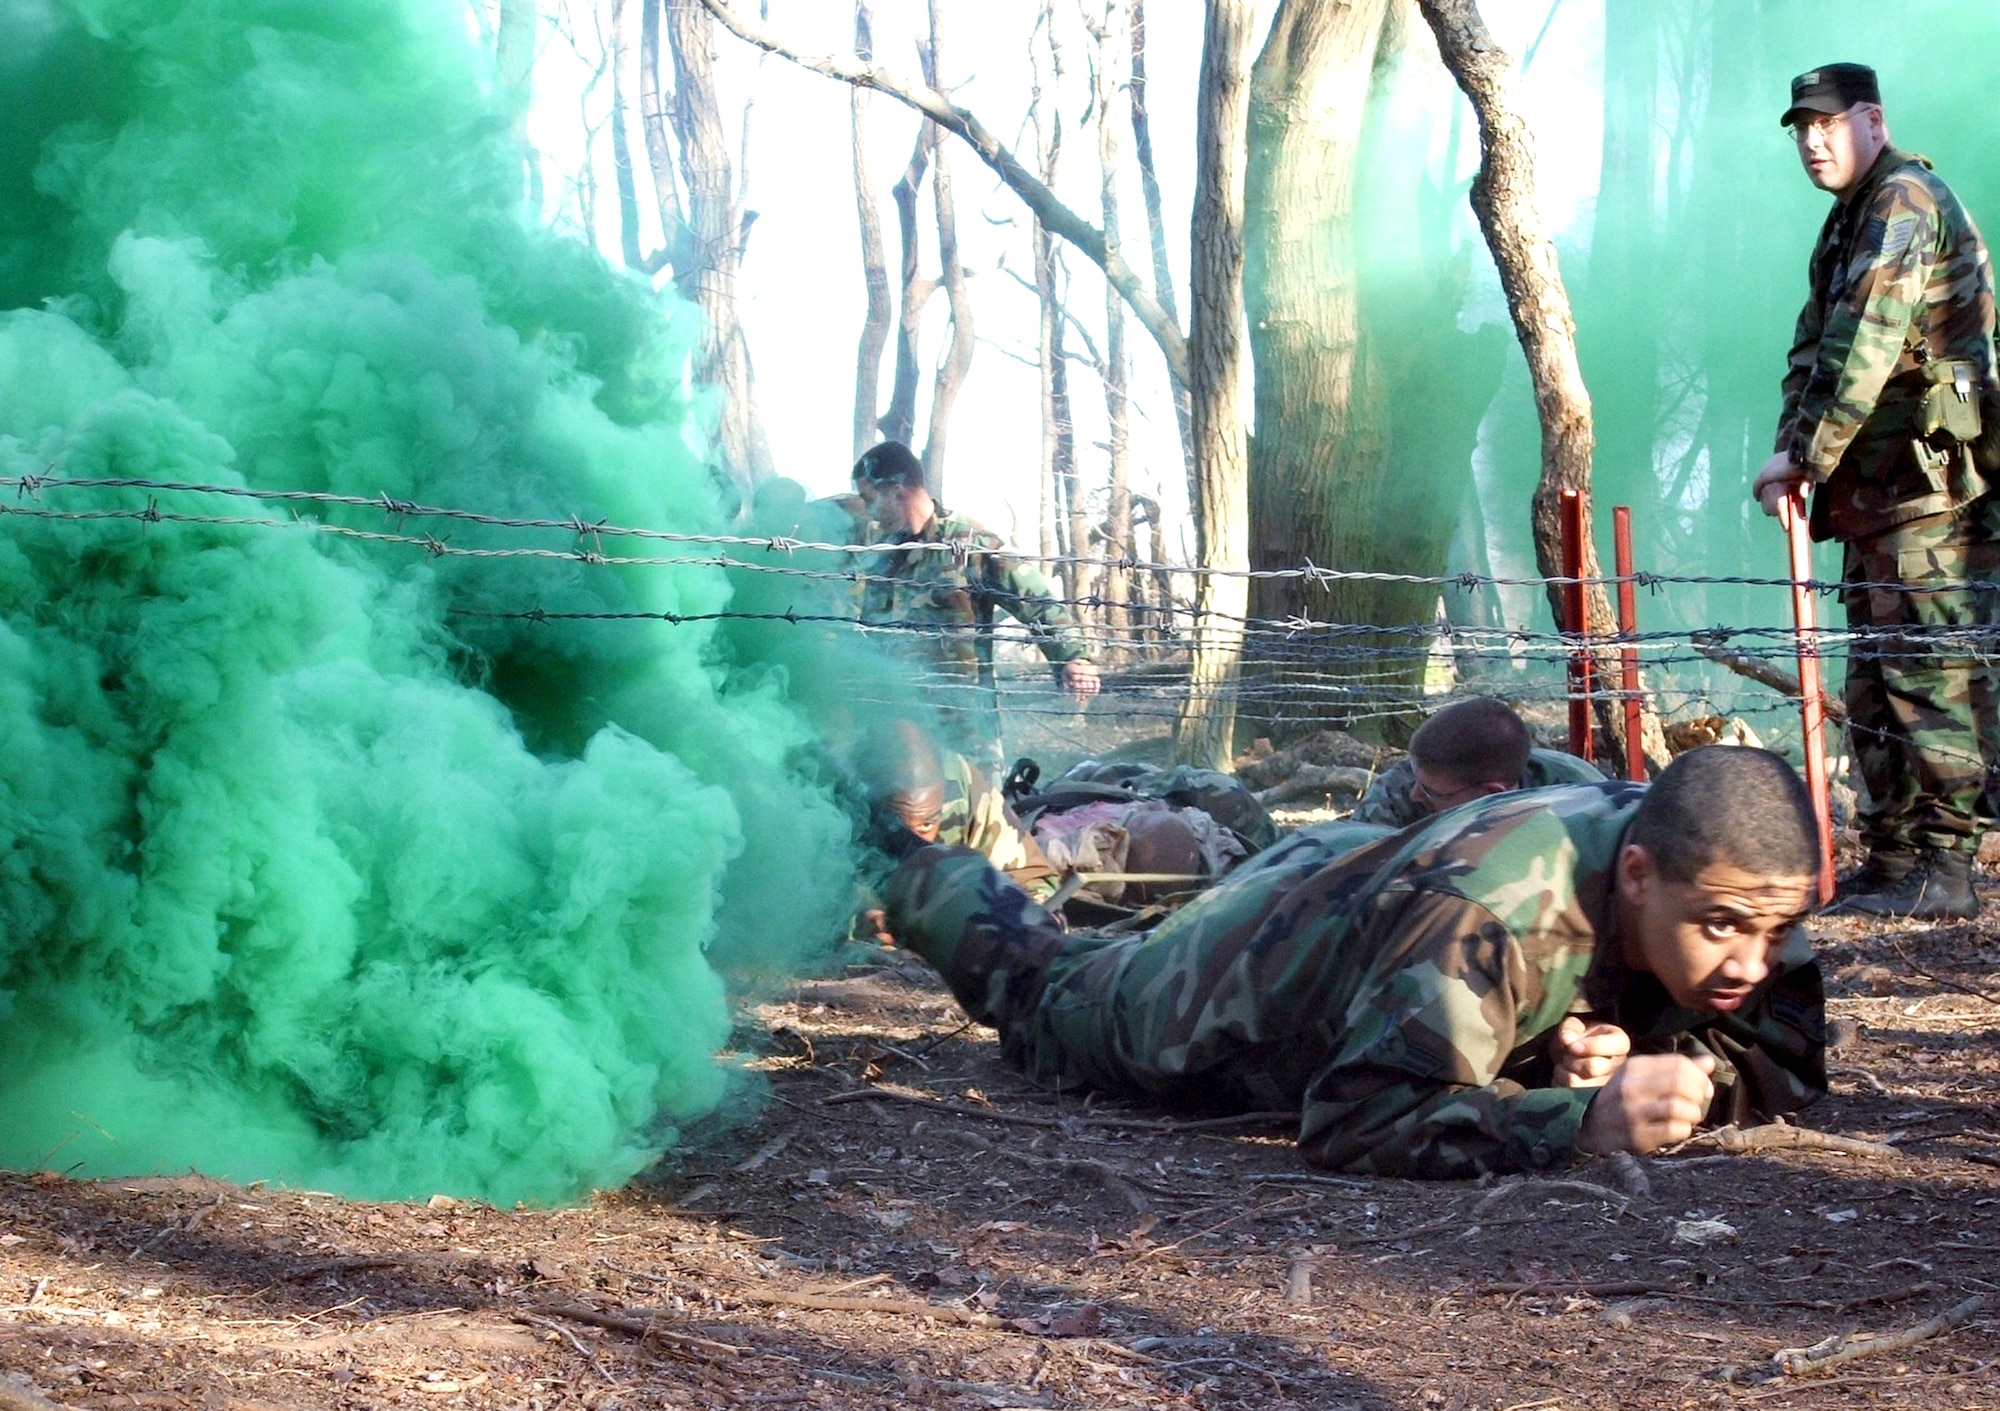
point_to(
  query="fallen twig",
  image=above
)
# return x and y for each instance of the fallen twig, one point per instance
(832, 1303)
(763, 1153)
(1619, 1290)
(1779, 1137)
(646, 1327)
(19, 1396)
(1630, 1175)
(1455, 1222)
(569, 1337)
(1902, 1295)
(1121, 1183)
(1867, 1079)
(1849, 1347)
(1711, 645)
(1923, 974)
(1585, 1188)
(940, 1104)
(1344, 1183)
(1140, 1124)
(1290, 1202)
(351, 1265)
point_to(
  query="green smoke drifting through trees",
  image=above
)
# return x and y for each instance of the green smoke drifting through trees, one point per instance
(1688, 272)
(308, 871)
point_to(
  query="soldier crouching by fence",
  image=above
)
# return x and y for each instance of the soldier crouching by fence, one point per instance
(1584, 969)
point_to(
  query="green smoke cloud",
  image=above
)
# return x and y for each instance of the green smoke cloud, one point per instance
(310, 869)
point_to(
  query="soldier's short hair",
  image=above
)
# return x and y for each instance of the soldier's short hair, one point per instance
(1731, 804)
(1480, 741)
(899, 755)
(890, 463)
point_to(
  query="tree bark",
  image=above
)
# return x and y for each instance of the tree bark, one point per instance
(678, 249)
(1156, 228)
(957, 361)
(621, 148)
(899, 422)
(708, 280)
(1504, 200)
(874, 259)
(1113, 49)
(1319, 463)
(514, 66)
(1207, 723)
(1058, 428)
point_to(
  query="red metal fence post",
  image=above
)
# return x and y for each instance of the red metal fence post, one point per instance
(1812, 713)
(1578, 624)
(1628, 655)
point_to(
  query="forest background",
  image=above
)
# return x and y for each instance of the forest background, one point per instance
(413, 759)
(1400, 428)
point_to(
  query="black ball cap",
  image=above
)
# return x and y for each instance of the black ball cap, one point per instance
(1831, 88)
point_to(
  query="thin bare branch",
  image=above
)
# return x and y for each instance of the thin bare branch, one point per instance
(939, 108)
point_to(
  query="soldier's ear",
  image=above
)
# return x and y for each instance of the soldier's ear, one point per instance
(1636, 871)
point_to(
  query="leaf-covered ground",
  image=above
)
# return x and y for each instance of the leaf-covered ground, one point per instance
(905, 1223)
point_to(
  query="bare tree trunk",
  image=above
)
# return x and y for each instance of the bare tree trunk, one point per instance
(951, 272)
(1113, 48)
(678, 251)
(899, 423)
(1156, 228)
(621, 148)
(709, 280)
(514, 63)
(1215, 366)
(874, 259)
(1049, 351)
(1503, 199)
(1321, 456)
(1058, 437)
(1076, 516)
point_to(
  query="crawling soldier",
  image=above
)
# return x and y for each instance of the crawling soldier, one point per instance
(1590, 968)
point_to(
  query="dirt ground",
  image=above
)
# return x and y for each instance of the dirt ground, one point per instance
(906, 1224)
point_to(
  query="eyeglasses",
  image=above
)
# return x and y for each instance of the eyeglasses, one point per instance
(1439, 798)
(1821, 126)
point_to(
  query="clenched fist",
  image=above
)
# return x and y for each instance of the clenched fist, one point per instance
(1653, 1100)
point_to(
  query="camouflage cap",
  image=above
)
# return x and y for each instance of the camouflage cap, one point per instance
(1831, 88)
(889, 463)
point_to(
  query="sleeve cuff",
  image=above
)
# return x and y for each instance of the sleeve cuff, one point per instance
(1544, 1126)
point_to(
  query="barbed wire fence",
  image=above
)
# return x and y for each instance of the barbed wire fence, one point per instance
(1359, 676)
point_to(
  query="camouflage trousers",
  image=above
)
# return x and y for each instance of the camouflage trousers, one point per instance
(1921, 684)
(1130, 1014)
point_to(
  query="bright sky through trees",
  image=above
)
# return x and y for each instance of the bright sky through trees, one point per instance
(802, 294)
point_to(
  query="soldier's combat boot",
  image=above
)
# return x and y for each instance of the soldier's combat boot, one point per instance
(1884, 868)
(1938, 888)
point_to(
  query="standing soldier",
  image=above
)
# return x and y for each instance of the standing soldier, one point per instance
(944, 587)
(1892, 358)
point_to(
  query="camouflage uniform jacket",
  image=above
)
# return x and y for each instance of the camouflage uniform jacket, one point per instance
(977, 816)
(1899, 276)
(1388, 800)
(948, 598)
(1400, 995)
